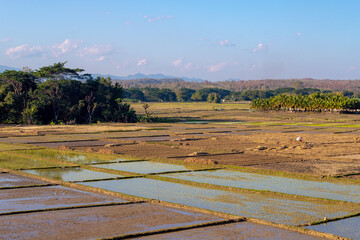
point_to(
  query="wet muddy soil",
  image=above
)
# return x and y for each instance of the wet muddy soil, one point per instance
(242, 230)
(12, 180)
(97, 222)
(24, 199)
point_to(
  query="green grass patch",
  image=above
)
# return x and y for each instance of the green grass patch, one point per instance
(9, 161)
(10, 147)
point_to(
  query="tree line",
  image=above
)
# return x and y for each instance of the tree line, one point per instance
(216, 95)
(316, 102)
(56, 94)
(242, 85)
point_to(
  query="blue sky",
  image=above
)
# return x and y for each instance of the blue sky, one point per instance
(212, 39)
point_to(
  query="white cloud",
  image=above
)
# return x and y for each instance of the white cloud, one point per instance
(142, 62)
(177, 62)
(97, 50)
(101, 58)
(220, 66)
(190, 66)
(260, 47)
(65, 47)
(5, 40)
(217, 67)
(298, 34)
(154, 19)
(225, 43)
(351, 69)
(56, 50)
(25, 51)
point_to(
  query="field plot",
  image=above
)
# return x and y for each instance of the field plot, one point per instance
(143, 167)
(18, 162)
(10, 147)
(87, 143)
(266, 207)
(99, 222)
(35, 198)
(9, 180)
(73, 157)
(342, 192)
(44, 139)
(243, 230)
(72, 174)
(348, 228)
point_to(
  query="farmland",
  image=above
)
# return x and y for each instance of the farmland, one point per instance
(198, 167)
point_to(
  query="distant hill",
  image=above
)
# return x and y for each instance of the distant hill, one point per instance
(243, 85)
(4, 68)
(151, 82)
(148, 76)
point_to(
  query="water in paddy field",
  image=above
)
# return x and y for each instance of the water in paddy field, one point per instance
(72, 174)
(12, 200)
(143, 167)
(348, 228)
(342, 192)
(78, 158)
(277, 209)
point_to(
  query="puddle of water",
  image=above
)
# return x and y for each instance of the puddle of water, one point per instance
(242, 230)
(77, 158)
(71, 174)
(348, 228)
(142, 167)
(270, 208)
(15, 162)
(343, 192)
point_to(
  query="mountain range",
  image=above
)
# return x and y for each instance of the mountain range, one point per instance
(148, 76)
(3, 68)
(129, 77)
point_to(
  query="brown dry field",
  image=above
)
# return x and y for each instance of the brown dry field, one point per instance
(231, 137)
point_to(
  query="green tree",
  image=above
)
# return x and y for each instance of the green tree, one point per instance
(184, 94)
(213, 98)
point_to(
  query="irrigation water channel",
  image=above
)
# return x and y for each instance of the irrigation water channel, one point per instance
(278, 208)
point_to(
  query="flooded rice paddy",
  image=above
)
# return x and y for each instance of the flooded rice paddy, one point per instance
(98, 222)
(143, 167)
(72, 174)
(342, 192)
(271, 208)
(10, 180)
(13, 200)
(348, 228)
(78, 158)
